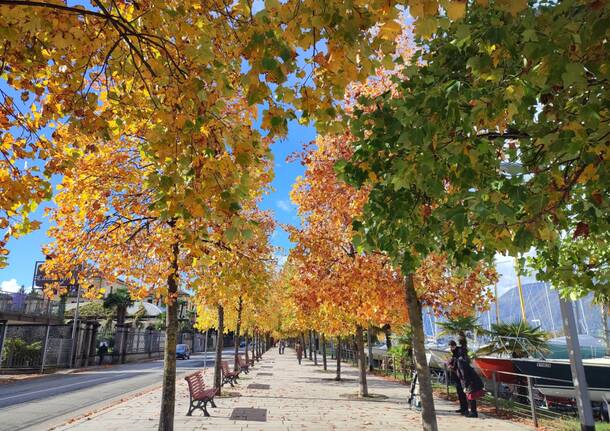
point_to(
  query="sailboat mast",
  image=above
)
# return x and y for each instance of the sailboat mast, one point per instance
(520, 289)
(548, 303)
(585, 325)
(497, 303)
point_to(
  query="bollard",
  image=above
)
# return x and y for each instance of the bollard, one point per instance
(532, 403)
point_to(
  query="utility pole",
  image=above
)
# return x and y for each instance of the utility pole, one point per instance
(583, 400)
(74, 327)
(205, 349)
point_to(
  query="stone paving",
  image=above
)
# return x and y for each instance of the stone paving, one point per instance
(299, 397)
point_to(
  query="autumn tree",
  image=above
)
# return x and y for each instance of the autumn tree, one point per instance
(114, 215)
(231, 282)
(100, 65)
(353, 288)
(484, 145)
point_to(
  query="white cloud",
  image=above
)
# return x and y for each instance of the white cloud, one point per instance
(10, 285)
(284, 205)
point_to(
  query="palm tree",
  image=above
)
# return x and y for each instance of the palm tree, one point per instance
(460, 326)
(402, 351)
(119, 300)
(518, 339)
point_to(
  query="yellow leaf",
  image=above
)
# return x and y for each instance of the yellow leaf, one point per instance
(512, 6)
(456, 9)
(390, 30)
(588, 173)
(425, 27)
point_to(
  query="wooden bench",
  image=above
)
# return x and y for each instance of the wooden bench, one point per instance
(199, 395)
(243, 365)
(228, 376)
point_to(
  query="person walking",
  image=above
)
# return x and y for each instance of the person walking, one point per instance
(101, 351)
(453, 368)
(470, 380)
(299, 350)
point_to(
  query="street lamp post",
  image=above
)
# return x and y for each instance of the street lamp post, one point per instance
(75, 327)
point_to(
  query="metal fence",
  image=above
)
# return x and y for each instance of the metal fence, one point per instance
(28, 304)
(515, 394)
(40, 347)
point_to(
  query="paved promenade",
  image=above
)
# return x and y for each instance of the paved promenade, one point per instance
(299, 397)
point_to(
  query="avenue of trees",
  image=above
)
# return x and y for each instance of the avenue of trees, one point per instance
(483, 128)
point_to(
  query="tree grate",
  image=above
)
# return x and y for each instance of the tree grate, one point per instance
(264, 374)
(258, 386)
(249, 414)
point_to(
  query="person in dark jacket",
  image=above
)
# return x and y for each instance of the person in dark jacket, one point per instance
(102, 350)
(453, 368)
(299, 350)
(470, 380)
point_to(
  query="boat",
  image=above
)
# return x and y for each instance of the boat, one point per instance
(503, 368)
(437, 356)
(590, 347)
(553, 377)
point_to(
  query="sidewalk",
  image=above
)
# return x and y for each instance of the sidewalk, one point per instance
(299, 398)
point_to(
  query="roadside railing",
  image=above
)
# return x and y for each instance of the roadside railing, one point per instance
(521, 398)
(28, 304)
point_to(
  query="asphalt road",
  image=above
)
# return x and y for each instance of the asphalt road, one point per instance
(47, 401)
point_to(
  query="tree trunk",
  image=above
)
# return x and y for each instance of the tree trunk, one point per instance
(324, 352)
(310, 345)
(363, 389)
(388, 341)
(253, 346)
(168, 394)
(219, 346)
(338, 354)
(304, 345)
(247, 340)
(605, 323)
(428, 413)
(236, 338)
(121, 312)
(315, 349)
(369, 341)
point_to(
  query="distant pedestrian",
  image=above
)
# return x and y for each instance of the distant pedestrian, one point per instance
(282, 347)
(299, 350)
(102, 350)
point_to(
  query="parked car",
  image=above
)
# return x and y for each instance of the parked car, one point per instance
(183, 351)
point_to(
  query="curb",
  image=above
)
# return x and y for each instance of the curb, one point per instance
(112, 404)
